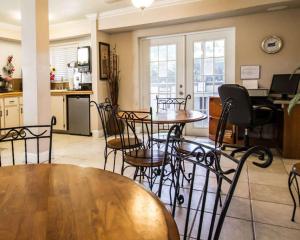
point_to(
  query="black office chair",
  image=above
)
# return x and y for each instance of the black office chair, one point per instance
(244, 114)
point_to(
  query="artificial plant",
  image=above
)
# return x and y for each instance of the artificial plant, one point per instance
(113, 78)
(296, 98)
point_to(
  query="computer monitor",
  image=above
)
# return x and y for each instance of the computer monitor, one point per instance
(285, 85)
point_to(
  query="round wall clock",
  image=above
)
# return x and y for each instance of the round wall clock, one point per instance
(272, 44)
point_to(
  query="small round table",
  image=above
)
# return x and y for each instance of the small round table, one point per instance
(173, 116)
(177, 117)
(69, 202)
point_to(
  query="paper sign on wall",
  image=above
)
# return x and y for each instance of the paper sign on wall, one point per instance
(250, 72)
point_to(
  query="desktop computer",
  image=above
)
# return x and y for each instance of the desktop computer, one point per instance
(284, 85)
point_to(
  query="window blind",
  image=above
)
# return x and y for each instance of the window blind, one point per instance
(60, 56)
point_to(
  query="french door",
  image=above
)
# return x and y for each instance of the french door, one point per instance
(162, 68)
(195, 64)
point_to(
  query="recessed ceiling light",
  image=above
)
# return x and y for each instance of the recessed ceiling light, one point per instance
(276, 8)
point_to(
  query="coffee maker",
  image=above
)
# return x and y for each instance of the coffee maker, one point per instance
(3, 84)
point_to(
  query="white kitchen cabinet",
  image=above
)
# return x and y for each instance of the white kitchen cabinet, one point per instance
(21, 116)
(58, 109)
(1, 113)
(11, 112)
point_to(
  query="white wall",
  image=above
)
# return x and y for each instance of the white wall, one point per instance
(10, 48)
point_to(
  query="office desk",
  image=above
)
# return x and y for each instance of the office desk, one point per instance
(291, 130)
(287, 127)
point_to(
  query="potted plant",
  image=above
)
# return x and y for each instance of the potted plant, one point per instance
(296, 98)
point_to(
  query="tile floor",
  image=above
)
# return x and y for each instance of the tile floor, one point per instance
(261, 207)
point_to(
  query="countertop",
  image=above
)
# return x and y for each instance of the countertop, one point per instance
(53, 93)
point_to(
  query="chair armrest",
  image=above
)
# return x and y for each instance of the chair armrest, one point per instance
(265, 107)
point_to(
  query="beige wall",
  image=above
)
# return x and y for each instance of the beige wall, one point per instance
(250, 31)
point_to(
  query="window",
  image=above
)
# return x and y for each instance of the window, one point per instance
(60, 56)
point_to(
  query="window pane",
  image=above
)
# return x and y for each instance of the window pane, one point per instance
(220, 48)
(162, 53)
(172, 52)
(172, 71)
(198, 52)
(219, 66)
(163, 70)
(208, 66)
(154, 53)
(209, 49)
(154, 72)
(197, 69)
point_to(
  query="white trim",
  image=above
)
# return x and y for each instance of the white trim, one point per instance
(97, 133)
(132, 9)
(92, 16)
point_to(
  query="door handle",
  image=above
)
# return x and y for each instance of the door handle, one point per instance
(181, 93)
(6, 112)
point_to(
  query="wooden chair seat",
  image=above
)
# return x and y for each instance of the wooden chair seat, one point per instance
(187, 148)
(161, 137)
(116, 143)
(296, 169)
(142, 158)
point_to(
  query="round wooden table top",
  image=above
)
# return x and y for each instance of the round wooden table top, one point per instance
(69, 202)
(175, 116)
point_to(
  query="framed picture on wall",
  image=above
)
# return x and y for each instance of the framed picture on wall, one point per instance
(104, 59)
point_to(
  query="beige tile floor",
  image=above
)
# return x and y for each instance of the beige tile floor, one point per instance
(261, 207)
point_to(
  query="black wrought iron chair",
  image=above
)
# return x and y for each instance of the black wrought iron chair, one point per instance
(112, 131)
(11, 143)
(209, 160)
(141, 154)
(294, 173)
(165, 104)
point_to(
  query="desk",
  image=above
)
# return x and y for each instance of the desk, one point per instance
(291, 130)
(288, 126)
(59, 202)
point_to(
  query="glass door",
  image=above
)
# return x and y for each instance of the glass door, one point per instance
(162, 69)
(210, 63)
(196, 64)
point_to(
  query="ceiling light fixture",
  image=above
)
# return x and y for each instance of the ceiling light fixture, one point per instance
(142, 4)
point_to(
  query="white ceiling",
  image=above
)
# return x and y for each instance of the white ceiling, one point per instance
(67, 10)
(61, 10)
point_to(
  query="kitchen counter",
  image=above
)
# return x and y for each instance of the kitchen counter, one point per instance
(53, 93)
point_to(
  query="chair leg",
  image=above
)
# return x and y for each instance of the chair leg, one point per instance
(135, 173)
(297, 186)
(115, 155)
(290, 182)
(122, 167)
(105, 157)
(238, 150)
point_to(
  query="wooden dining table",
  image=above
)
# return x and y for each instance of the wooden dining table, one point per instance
(53, 202)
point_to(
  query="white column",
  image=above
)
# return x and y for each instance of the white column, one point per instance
(95, 120)
(35, 62)
(35, 70)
